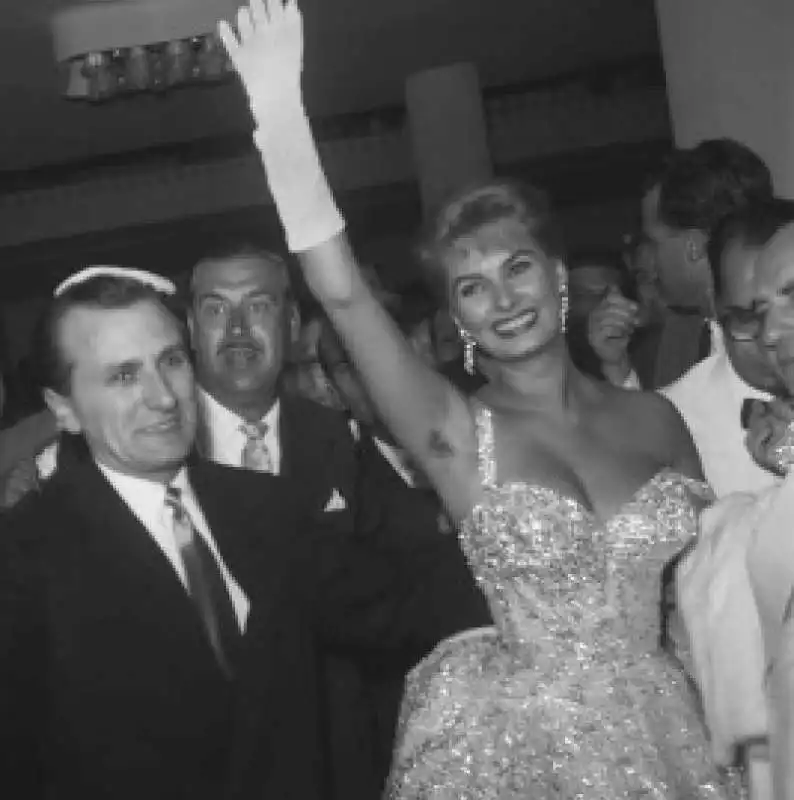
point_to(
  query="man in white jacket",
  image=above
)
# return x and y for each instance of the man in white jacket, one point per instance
(736, 587)
(710, 395)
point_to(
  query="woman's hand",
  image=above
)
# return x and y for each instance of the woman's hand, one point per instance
(267, 52)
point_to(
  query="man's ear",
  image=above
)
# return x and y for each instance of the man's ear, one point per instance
(63, 411)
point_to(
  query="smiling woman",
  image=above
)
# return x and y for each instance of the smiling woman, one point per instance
(571, 495)
(496, 250)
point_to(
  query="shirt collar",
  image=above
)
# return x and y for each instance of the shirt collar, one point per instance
(717, 339)
(221, 422)
(143, 495)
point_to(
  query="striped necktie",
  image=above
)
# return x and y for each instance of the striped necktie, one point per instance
(256, 455)
(205, 584)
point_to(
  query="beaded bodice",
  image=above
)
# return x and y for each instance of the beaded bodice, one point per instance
(570, 696)
(553, 572)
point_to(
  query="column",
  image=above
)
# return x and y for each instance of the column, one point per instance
(448, 132)
(730, 72)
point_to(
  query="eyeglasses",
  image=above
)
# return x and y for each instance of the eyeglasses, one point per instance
(743, 324)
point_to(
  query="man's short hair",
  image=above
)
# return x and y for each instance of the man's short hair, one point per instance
(700, 186)
(52, 370)
(227, 251)
(753, 226)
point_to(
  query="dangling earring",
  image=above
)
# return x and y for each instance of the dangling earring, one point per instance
(563, 305)
(468, 353)
(468, 348)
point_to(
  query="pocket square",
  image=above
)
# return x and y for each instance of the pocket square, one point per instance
(336, 502)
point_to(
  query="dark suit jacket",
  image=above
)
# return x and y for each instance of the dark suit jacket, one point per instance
(318, 463)
(407, 512)
(108, 687)
(659, 353)
(380, 586)
(318, 458)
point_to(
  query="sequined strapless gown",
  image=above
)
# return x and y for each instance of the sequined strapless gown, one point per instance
(569, 696)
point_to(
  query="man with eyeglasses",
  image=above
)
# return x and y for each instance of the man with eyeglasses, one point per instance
(735, 586)
(711, 394)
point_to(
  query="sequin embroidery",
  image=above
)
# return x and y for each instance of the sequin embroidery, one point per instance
(569, 696)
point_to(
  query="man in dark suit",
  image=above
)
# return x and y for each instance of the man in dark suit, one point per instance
(118, 652)
(160, 619)
(243, 320)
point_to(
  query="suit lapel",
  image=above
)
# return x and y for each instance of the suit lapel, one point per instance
(134, 569)
(296, 446)
(306, 444)
(252, 519)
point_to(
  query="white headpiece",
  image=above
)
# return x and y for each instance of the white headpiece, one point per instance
(157, 282)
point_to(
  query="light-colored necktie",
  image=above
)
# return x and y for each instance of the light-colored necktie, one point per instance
(256, 455)
(206, 585)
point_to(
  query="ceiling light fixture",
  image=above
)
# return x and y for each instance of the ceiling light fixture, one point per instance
(112, 48)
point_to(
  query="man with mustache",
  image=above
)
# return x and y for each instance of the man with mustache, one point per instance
(242, 321)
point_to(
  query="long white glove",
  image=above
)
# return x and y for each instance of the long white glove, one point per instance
(267, 52)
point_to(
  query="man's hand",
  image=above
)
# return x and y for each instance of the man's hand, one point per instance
(770, 435)
(610, 326)
(23, 478)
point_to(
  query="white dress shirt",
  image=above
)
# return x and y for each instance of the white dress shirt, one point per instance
(146, 499)
(47, 461)
(632, 381)
(709, 397)
(223, 440)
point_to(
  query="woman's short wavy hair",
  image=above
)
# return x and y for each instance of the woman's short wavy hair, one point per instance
(477, 206)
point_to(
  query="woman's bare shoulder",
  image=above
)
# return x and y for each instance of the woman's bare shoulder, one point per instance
(662, 428)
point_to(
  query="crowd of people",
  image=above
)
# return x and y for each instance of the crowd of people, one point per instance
(521, 534)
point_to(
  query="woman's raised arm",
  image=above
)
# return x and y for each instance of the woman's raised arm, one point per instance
(425, 413)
